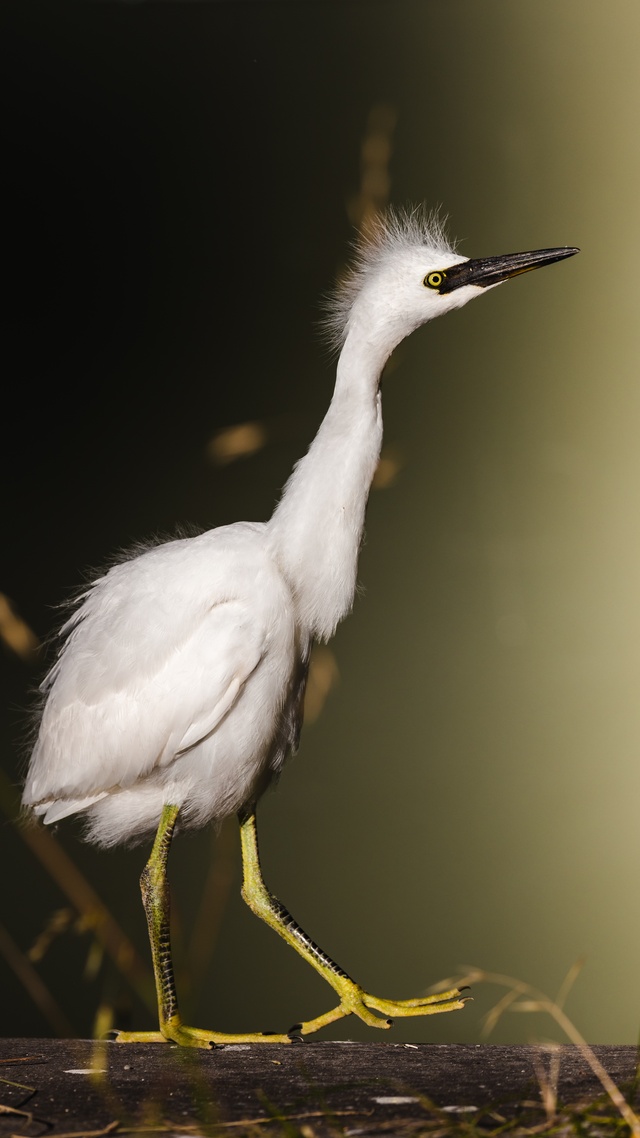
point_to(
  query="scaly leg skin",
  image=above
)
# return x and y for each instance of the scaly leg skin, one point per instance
(353, 999)
(155, 898)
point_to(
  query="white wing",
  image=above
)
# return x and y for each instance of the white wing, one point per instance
(156, 657)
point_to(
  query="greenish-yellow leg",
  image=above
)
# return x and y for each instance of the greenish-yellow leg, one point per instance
(353, 999)
(155, 898)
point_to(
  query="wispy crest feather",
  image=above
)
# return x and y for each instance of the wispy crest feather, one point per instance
(390, 232)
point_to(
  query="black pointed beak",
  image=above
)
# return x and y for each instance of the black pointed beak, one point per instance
(488, 271)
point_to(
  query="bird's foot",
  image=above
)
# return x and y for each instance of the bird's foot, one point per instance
(175, 1031)
(355, 1001)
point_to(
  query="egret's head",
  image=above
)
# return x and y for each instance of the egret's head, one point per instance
(406, 273)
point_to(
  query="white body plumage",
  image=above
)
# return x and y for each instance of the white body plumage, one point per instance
(181, 677)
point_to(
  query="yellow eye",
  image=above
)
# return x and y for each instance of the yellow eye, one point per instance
(434, 280)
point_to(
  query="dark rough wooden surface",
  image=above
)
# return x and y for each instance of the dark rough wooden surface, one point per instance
(310, 1089)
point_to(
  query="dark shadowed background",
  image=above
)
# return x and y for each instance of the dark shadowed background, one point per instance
(183, 183)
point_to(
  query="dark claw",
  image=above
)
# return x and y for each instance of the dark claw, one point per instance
(389, 1023)
(296, 1027)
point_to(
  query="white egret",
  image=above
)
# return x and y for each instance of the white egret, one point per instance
(177, 692)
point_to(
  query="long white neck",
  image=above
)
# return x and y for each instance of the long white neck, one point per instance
(316, 529)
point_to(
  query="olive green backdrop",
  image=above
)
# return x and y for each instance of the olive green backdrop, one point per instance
(185, 178)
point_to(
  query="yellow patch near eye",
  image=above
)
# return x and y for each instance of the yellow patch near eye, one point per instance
(434, 280)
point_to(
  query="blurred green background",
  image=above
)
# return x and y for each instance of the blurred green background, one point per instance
(184, 183)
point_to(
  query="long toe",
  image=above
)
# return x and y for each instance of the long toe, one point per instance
(140, 1037)
(186, 1036)
(449, 1001)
